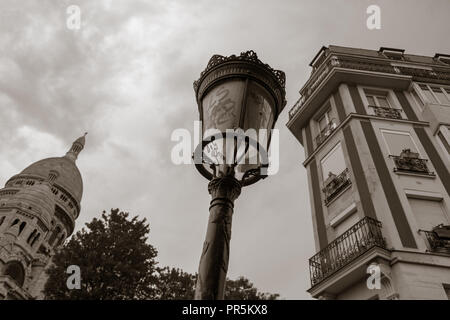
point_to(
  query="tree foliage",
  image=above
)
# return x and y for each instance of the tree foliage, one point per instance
(243, 289)
(116, 262)
(175, 284)
(114, 259)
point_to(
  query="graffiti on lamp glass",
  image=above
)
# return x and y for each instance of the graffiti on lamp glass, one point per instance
(221, 108)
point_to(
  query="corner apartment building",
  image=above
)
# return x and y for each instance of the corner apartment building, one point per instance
(375, 126)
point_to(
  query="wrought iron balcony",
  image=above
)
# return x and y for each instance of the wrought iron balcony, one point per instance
(329, 128)
(387, 112)
(439, 238)
(409, 161)
(335, 184)
(359, 238)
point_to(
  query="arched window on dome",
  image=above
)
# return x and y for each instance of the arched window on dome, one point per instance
(22, 226)
(52, 176)
(55, 233)
(36, 238)
(31, 236)
(60, 241)
(15, 271)
(16, 221)
(2, 219)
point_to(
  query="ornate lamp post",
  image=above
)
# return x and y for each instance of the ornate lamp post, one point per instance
(237, 96)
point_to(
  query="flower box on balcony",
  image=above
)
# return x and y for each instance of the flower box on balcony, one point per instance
(387, 112)
(409, 161)
(335, 184)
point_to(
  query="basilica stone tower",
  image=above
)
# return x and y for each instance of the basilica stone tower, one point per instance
(38, 209)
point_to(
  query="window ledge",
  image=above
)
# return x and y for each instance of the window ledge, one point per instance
(339, 194)
(344, 214)
(430, 175)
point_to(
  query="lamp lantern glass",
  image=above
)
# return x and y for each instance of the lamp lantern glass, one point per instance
(239, 99)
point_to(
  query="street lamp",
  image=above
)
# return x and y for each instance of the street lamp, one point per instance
(239, 99)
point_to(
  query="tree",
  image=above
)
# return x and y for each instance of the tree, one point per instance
(114, 259)
(243, 289)
(175, 284)
(116, 262)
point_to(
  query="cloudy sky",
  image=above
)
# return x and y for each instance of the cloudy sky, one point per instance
(126, 77)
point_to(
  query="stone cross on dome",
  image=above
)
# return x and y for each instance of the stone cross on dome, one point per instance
(76, 148)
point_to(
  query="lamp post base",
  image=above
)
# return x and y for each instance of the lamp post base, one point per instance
(213, 267)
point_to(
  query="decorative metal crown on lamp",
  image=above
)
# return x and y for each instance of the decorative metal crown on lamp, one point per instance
(237, 96)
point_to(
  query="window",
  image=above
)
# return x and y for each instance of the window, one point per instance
(52, 176)
(435, 94)
(60, 241)
(392, 53)
(333, 163)
(347, 223)
(397, 141)
(325, 124)
(32, 235)
(324, 120)
(444, 142)
(428, 213)
(54, 235)
(405, 153)
(2, 219)
(377, 98)
(418, 99)
(36, 238)
(22, 226)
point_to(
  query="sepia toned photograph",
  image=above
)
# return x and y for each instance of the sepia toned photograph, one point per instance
(224, 159)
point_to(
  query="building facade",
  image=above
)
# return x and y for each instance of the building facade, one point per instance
(375, 126)
(38, 209)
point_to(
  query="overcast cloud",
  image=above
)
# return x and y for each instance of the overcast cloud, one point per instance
(126, 78)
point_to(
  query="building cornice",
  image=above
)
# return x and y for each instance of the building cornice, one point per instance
(414, 70)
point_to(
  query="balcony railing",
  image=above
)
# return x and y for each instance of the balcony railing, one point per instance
(333, 61)
(329, 128)
(439, 238)
(387, 112)
(437, 243)
(409, 161)
(358, 239)
(335, 184)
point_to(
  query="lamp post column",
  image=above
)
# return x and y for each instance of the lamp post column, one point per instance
(213, 267)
